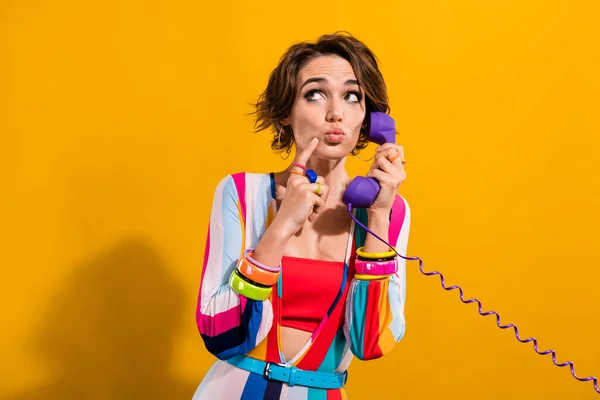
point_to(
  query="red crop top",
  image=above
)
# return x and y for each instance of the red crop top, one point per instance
(308, 290)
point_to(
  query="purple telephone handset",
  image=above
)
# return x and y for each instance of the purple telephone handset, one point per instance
(362, 192)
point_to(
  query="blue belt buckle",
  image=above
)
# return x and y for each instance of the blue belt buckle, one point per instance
(292, 373)
(267, 371)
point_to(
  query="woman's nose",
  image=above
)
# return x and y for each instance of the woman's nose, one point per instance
(334, 114)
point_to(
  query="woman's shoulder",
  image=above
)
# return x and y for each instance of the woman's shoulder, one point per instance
(242, 184)
(245, 179)
(400, 208)
(401, 200)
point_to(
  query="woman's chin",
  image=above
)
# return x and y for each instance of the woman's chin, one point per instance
(332, 152)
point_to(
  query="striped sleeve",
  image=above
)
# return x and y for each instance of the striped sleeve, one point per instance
(374, 320)
(229, 324)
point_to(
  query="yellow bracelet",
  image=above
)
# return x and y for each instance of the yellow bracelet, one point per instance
(247, 289)
(364, 277)
(387, 254)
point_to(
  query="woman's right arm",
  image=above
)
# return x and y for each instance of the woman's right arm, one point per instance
(229, 324)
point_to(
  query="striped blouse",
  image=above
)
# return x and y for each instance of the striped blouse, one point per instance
(366, 322)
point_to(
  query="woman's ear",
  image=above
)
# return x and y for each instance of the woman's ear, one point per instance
(284, 121)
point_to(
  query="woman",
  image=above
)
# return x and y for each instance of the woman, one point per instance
(291, 288)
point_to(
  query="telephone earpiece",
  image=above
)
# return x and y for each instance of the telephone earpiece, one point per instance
(362, 191)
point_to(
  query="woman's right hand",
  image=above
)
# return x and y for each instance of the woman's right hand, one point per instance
(300, 203)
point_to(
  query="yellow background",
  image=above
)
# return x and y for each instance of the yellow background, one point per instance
(118, 118)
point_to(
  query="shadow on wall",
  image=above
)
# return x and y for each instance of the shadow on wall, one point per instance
(108, 334)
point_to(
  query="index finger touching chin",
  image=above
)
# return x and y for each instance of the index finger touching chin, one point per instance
(304, 155)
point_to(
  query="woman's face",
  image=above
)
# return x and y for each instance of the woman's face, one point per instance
(329, 105)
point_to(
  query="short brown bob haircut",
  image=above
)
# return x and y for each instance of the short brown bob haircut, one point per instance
(276, 102)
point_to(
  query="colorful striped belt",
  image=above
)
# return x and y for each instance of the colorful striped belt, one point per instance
(290, 375)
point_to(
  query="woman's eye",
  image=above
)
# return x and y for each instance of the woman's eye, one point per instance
(353, 97)
(313, 95)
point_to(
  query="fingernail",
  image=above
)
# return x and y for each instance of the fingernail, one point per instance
(314, 140)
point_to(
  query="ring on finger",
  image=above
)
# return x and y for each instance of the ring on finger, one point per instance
(392, 158)
(311, 175)
(301, 166)
(298, 170)
(318, 188)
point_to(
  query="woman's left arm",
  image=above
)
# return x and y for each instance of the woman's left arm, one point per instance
(374, 320)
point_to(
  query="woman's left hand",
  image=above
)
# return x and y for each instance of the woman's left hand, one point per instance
(390, 176)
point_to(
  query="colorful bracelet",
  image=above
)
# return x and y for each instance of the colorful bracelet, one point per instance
(257, 274)
(362, 277)
(388, 254)
(376, 268)
(247, 289)
(248, 255)
(374, 259)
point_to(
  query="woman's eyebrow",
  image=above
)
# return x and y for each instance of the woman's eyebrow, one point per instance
(323, 80)
(311, 80)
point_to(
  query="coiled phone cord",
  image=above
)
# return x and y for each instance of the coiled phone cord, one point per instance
(460, 290)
